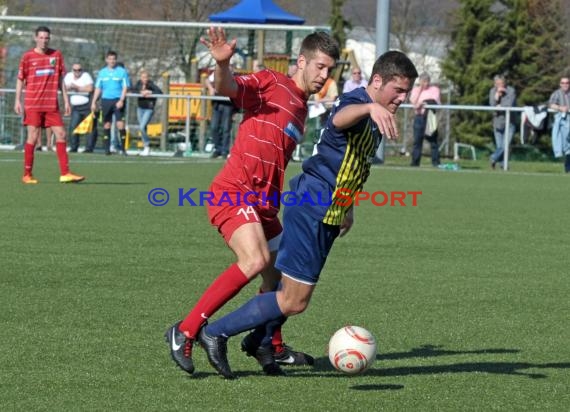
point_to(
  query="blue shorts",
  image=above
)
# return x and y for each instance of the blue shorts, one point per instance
(305, 245)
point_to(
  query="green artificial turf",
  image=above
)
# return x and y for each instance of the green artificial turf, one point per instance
(467, 293)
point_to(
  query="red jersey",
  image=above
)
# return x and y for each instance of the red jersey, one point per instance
(41, 74)
(273, 124)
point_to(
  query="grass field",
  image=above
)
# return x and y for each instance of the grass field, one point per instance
(468, 293)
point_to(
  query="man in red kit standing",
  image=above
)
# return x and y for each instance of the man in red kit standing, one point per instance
(41, 73)
(247, 191)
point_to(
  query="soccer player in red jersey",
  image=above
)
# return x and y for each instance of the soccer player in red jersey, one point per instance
(275, 112)
(41, 73)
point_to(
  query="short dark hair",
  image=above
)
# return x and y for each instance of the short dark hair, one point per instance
(42, 29)
(111, 53)
(320, 41)
(394, 64)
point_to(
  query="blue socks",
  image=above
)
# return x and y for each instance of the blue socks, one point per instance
(258, 311)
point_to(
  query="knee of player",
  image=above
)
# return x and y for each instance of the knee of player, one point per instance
(295, 309)
(254, 264)
(60, 137)
(293, 306)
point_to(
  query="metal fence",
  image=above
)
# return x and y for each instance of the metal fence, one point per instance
(194, 132)
(189, 129)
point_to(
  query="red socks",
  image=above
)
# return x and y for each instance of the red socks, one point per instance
(29, 158)
(225, 287)
(277, 340)
(61, 149)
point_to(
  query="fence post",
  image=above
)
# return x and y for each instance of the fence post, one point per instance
(189, 147)
(506, 140)
(203, 114)
(405, 139)
(448, 121)
(165, 114)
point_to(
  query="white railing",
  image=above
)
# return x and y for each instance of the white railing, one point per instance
(7, 115)
(508, 110)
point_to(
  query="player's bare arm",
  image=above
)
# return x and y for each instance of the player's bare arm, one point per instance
(121, 101)
(347, 222)
(66, 105)
(18, 101)
(352, 114)
(96, 95)
(349, 115)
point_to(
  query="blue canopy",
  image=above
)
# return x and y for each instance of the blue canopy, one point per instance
(256, 11)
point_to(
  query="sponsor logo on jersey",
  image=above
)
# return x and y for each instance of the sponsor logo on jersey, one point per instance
(293, 132)
(45, 72)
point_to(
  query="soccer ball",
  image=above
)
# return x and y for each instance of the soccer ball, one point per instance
(352, 350)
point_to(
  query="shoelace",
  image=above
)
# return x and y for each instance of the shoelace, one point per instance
(188, 348)
(287, 350)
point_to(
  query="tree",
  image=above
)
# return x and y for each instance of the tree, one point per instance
(481, 47)
(518, 38)
(338, 23)
(185, 41)
(177, 50)
(539, 60)
(415, 23)
(3, 10)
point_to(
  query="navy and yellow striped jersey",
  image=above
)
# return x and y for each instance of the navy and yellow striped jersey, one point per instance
(338, 170)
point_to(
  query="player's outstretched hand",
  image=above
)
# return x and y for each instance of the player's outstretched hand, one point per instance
(219, 47)
(385, 120)
(347, 223)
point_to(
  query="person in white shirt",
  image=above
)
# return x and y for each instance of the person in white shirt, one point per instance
(355, 81)
(79, 85)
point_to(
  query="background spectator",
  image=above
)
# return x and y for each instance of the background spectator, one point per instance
(355, 81)
(560, 101)
(221, 122)
(79, 81)
(145, 106)
(424, 93)
(292, 69)
(112, 85)
(501, 95)
(326, 97)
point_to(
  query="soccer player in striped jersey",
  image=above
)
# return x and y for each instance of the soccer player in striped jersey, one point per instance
(336, 172)
(41, 74)
(275, 112)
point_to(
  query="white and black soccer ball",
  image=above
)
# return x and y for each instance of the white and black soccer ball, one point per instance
(352, 349)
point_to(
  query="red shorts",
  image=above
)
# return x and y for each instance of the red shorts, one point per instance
(42, 119)
(229, 211)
